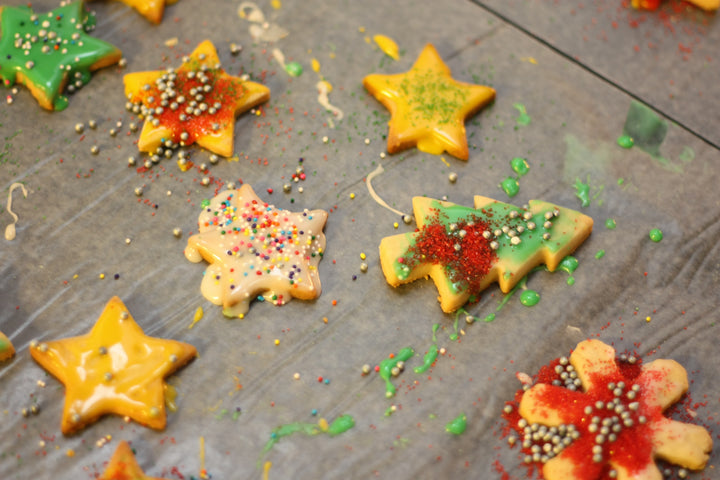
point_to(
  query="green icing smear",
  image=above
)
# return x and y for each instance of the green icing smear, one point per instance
(646, 129)
(294, 69)
(610, 224)
(458, 425)
(582, 191)
(625, 141)
(510, 186)
(600, 254)
(388, 364)
(520, 166)
(529, 298)
(523, 118)
(340, 425)
(431, 354)
(38, 60)
(656, 235)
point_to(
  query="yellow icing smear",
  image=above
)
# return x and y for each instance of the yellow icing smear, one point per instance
(388, 46)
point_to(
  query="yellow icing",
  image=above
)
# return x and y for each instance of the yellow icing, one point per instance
(388, 46)
(115, 368)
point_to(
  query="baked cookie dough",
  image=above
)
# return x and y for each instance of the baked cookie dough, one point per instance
(616, 418)
(428, 107)
(466, 249)
(257, 251)
(52, 52)
(197, 103)
(115, 368)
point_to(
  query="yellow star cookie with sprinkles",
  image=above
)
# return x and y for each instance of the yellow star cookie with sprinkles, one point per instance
(51, 52)
(151, 9)
(115, 368)
(124, 466)
(428, 107)
(257, 250)
(466, 249)
(198, 102)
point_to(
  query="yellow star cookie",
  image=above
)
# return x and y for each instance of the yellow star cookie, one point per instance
(466, 249)
(428, 107)
(255, 249)
(151, 9)
(115, 368)
(198, 102)
(6, 348)
(124, 466)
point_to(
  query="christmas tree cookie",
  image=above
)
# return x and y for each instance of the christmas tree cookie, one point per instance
(607, 415)
(115, 368)
(6, 348)
(257, 251)
(466, 249)
(51, 51)
(197, 103)
(428, 107)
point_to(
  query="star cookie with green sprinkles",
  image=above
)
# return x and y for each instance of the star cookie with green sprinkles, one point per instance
(197, 103)
(428, 107)
(153, 10)
(52, 52)
(257, 251)
(115, 368)
(124, 466)
(466, 249)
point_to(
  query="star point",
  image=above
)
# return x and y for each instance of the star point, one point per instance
(428, 107)
(196, 103)
(124, 466)
(115, 368)
(153, 10)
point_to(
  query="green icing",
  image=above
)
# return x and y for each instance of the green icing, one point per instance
(489, 318)
(388, 364)
(432, 353)
(520, 166)
(656, 235)
(600, 254)
(338, 426)
(529, 298)
(582, 191)
(294, 69)
(523, 118)
(569, 264)
(497, 215)
(28, 48)
(341, 425)
(625, 141)
(510, 186)
(610, 224)
(458, 425)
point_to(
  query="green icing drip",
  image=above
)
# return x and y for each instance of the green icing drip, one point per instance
(582, 191)
(529, 298)
(294, 69)
(610, 224)
(458, 425)
(569, 264)
(523, 118)
(387, 365)
(656, 235)
(341, 425)
(510, 186)
(428, 359)
(625, 141)
(520, 166)
(41, 66)
(600, 254)
(489, 318)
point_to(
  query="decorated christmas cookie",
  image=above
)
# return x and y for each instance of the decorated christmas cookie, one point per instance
(124, 466)
(198, 102)
(6, 348)
(115, 368)
(428, 107)
(257, 250)
(708, 5)
(50, 53)
(608, 417)
(151, 9)
(466, 249)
